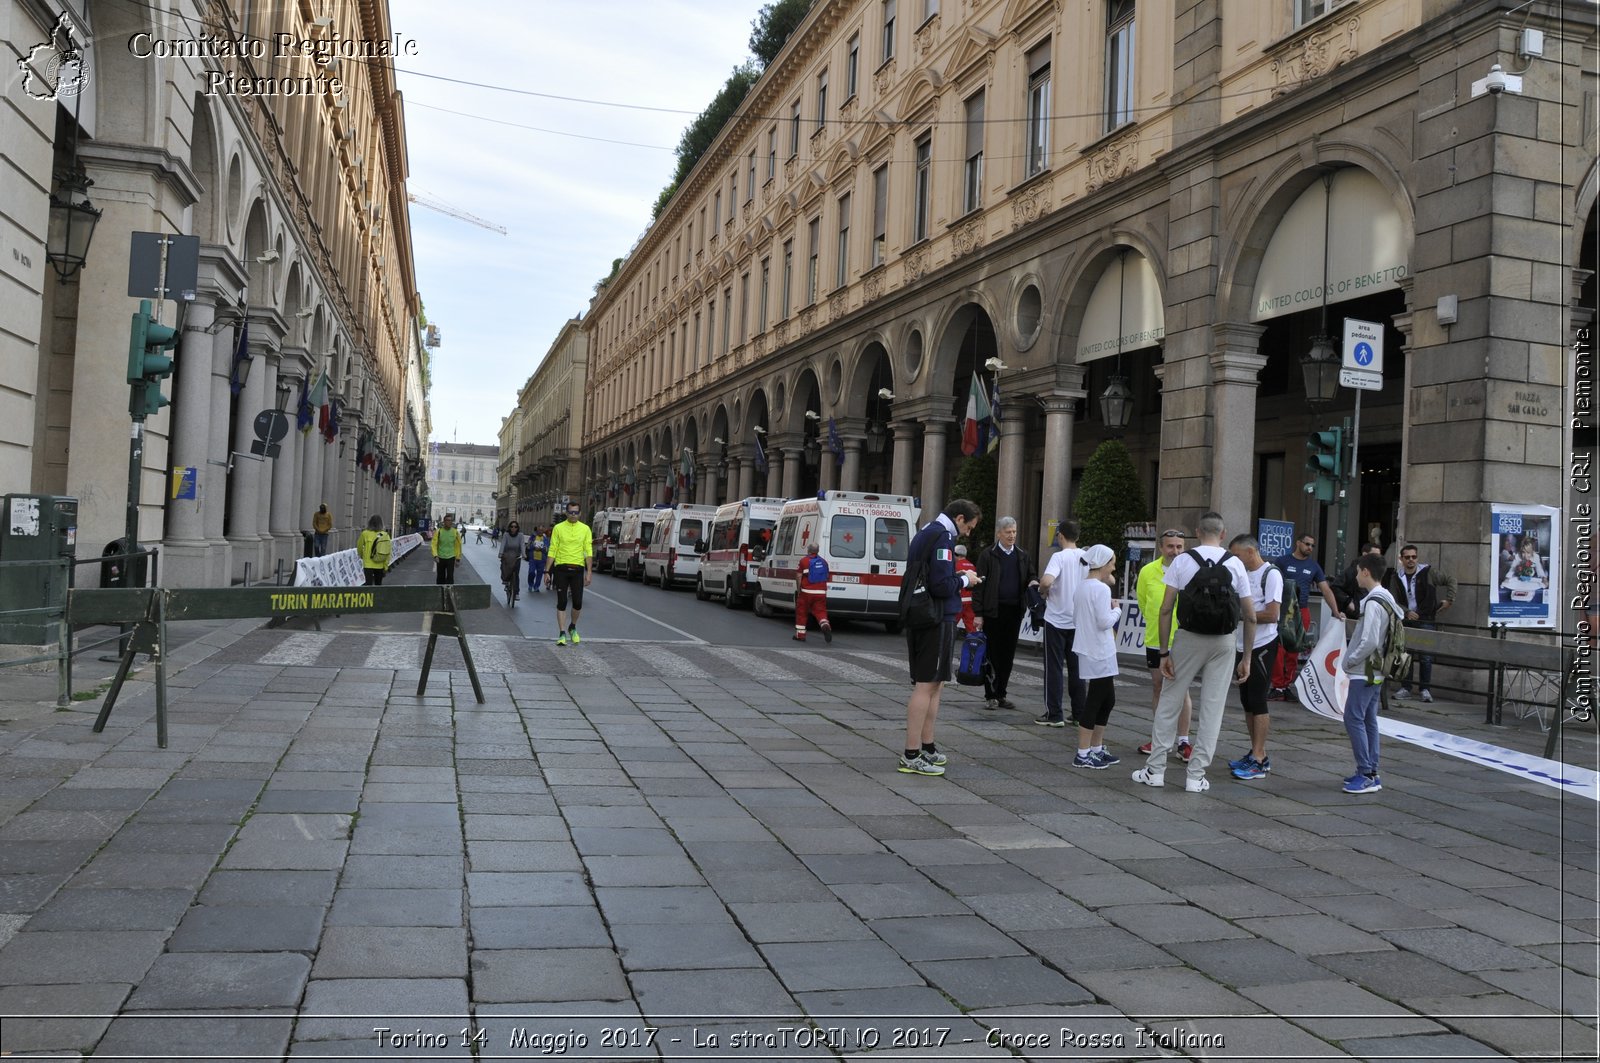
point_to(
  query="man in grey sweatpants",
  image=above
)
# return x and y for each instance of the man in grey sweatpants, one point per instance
(1209, 655)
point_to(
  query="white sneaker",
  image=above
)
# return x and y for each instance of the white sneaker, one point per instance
(1149, 778)
(1196, 784)
(1427, 696)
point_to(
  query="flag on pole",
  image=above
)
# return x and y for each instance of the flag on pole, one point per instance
(761, 454)
(241, 355)
(302, 413)
(973, 428)
(994, 418)
(686, 470)
(835, 444)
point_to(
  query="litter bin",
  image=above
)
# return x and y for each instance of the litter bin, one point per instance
(310, 544)
(121, 571)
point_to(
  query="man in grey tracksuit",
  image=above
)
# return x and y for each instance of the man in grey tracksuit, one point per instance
(1377, 611)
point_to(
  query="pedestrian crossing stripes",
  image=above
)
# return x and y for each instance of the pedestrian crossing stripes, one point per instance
(510, 655)
(301, 648)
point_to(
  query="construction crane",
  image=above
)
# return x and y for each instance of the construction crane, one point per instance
(454, 212)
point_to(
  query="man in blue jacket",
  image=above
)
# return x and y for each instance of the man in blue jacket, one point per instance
(929, 649)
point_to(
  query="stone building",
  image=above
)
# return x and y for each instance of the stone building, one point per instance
(541, 460)
(194, 119)
(1168, 203)
(462, 479)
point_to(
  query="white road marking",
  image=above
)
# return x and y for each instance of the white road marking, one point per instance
(840, 669)
(592, 593)
(490, 653)
(301, 648)
(393, 651)
(880, 658)
(755, 667)
(668, 663)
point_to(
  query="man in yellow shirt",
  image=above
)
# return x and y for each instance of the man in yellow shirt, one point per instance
(1150, 591)
(571, 563)
(321, 527)
(446, 550)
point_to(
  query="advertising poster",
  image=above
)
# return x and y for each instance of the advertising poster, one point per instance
(1276, 537)
(1524, 584)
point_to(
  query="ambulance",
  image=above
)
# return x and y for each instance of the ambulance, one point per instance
(673, 555)
(863, 538)
(741, 537)
(638, 527)
(606, 529)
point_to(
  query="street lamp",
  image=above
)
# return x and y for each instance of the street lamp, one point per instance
(72, 222)
(284, 388)
(1116, 401)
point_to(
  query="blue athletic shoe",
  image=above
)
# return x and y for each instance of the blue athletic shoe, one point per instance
(1105, 758)
(1247, 759)
(1362, 784)
(1250, 770)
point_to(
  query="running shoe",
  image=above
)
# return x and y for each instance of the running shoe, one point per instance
(919, 765)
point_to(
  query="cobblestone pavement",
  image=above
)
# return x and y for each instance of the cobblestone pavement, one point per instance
(634, 850)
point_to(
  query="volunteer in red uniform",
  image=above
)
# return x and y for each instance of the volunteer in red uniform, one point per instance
(812, 599)
(969, 619)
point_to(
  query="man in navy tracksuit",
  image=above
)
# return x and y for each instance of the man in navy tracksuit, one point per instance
(929, 649)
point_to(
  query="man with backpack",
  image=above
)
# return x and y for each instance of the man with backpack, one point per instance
(1303, 570)
(1267, 591)
(811, 595)
(375, 548)
(1215, 597)
(1376, 652)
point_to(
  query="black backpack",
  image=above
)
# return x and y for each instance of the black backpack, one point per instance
(1209, 605)
(1293, 634)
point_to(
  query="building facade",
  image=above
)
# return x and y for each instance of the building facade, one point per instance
(291, 173)
(1169, 202)
(463, 479)
(542, 459)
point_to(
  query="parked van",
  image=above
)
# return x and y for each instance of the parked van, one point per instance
(638, 527)
(680, 539)
(606, 529)
(863, 538)
(741, 537)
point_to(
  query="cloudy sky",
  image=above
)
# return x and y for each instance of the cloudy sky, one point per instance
(571, 205)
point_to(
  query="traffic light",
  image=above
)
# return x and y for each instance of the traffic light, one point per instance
(1325, 460)
(147, 366)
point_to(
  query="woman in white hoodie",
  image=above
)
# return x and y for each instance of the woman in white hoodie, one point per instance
(1096, 646)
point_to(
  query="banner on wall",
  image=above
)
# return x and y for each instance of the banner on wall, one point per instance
(1524, 585)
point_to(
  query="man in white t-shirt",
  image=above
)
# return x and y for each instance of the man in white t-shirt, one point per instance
(1266, 589)
(1203, 646)
(1059, 584)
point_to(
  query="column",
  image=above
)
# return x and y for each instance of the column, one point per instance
(311, 454)
(792, 457)
(850, 473)
(747, 476)
(774, 486)
(184, 563)
(246, 484)
(903, 468)
(283, 520)
(1235, 365)
(933, 447)
(1008, 486)
(827, 469)
(214, 472)
(267, 368)
(1055, 499)
(333, 489)
(738, 476)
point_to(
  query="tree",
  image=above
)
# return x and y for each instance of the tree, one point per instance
(773, 26)
(1110, 498)
(977, 480)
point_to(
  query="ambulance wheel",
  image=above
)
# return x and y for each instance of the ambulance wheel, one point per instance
(666, 579)
(892, 627)
(700, 594)
(730, 593)
(762, 609)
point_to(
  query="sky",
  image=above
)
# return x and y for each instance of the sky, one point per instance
(570, 205)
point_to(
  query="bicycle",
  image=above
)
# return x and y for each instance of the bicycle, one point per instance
(509, 581)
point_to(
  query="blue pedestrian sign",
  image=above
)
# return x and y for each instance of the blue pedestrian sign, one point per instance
(1362, 367)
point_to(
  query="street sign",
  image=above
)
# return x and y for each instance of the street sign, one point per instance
(145, 275)
(1362, 367)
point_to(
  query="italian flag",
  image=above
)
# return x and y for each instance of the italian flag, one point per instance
(975, 426)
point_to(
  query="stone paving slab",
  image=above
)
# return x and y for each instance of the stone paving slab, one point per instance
(651, 848)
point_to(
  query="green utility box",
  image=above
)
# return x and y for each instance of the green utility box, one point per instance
(40, 530)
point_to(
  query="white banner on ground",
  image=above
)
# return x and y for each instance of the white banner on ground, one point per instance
(1323, 686)
(343, 568)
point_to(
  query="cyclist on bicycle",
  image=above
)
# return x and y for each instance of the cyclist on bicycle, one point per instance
(511, 544)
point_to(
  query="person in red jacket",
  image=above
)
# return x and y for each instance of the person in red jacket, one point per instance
(811, 599)
(969, 619)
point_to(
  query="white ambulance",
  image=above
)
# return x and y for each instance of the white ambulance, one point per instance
(606, 529)
(673, 555)
(638, 527)
(741, 537)
(863, 538)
